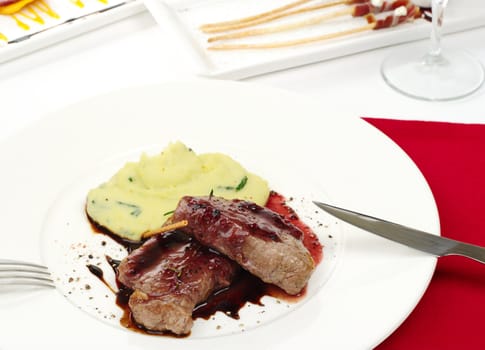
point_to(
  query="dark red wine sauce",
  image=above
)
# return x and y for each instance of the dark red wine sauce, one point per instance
(246, 288)
(279, 204)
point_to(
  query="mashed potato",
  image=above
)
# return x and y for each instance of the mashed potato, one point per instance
(141, 196)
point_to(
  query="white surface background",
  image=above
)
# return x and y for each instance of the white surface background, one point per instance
(135, 51)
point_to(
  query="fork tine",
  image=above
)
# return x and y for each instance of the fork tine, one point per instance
(26, 269)
(7, 262)
(25, 281)
(22, 272)
(14, 272)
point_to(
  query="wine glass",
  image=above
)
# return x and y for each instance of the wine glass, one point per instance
(434, 75)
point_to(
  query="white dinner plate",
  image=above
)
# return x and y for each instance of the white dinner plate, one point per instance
(363, 290)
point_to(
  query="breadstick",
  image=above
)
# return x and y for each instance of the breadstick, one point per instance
(284, 27)
(295, 42)
(255, 17)
(272, 17)
(358, 10)
(401, 15)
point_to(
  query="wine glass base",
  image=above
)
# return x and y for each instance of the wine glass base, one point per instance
(449, 76)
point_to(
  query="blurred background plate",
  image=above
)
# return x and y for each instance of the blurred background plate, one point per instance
(46, 22)
(180, 21)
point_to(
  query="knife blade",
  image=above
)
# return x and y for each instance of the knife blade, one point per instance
(416, 239)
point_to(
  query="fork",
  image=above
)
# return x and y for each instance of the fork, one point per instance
(14, 272)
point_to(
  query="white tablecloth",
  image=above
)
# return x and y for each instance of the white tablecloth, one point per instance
(134, 51)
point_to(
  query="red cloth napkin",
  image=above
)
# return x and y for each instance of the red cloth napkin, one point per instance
(451, 314)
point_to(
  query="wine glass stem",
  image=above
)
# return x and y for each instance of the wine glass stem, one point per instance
(438, 10)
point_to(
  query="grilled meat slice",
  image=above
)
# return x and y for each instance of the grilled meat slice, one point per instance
(258, 239)
(170, 274)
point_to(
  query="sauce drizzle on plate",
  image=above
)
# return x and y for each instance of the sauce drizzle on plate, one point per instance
(246, 288)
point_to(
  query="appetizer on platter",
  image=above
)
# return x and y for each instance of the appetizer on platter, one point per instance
(8, 7)
(403, 11)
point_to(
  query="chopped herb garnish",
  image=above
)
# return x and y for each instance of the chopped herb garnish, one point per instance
(239, 187)
(168, 212)
(211, 193)
(243, 182)
(131, 179)
(135, 212)
(177, 272)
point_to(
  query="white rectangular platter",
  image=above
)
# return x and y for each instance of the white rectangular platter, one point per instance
(181, 20)
(45, 22)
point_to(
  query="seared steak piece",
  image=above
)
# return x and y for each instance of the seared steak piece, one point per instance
(170, 274)
(258, 239)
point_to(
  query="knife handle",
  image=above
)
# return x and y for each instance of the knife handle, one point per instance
(468, 250)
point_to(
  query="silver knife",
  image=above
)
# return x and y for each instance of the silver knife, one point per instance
(410, 237)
